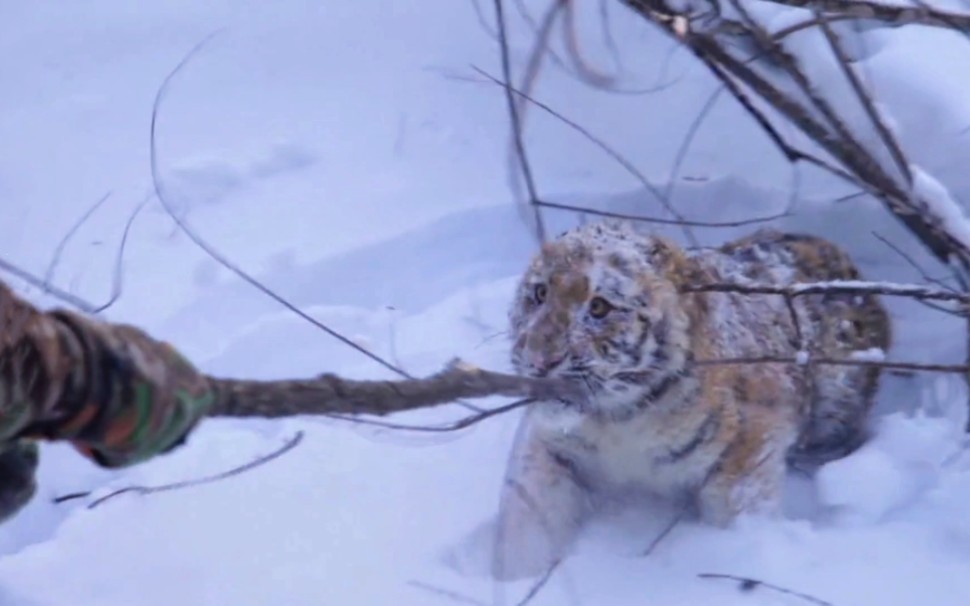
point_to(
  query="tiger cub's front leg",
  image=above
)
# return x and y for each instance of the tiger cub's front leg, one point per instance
(542, 510)
(749, 478)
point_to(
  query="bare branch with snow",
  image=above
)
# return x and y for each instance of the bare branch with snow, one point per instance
(763, 69)
(894, 15)
(843, 287)
(864, 358)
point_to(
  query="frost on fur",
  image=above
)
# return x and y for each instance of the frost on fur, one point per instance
(605, 306)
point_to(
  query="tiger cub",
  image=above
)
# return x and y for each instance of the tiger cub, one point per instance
(606, 306)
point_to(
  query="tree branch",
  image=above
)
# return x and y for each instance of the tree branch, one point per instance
(893, 15)
(333, 395)
(845, 287)
(711, 44)
(910, 366)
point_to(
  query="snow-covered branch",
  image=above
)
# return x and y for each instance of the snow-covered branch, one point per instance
(865, 358)
(758, 70)
(845, 287)
(890, 14)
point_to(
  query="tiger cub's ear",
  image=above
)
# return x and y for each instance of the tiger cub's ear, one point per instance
(661, 251)
(668, 259)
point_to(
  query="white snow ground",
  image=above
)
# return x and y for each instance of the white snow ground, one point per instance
(337, 151)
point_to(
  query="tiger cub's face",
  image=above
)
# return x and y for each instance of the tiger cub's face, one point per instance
(597, 305)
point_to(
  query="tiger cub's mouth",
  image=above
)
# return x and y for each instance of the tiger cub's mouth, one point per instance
(594, 389)
(622, 390)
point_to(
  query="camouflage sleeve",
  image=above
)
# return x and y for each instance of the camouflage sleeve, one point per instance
(118, 395)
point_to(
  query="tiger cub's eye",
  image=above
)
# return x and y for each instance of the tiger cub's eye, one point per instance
(540, 292)
(599, 307)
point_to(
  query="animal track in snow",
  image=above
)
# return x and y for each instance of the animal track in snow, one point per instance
(209, 179)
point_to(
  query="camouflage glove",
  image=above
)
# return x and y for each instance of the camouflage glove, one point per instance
(119, 396)
(135, 398)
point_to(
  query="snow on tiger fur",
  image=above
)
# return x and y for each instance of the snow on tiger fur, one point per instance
(603, 304)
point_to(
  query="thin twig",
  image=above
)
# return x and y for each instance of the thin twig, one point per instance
(59, 249)
(912, 263)
(808, 24)
(888, 139)
(924, 274)
(599, 81)
(679, 219)
(608, 40)
(482, 21)
(513, 110)
(792, 153)
(749, 584)
(117, 274)
(145, 490)
(540, 49)
(789, 63)
(539, 584)
(848, 197)
(571, 42)
(458, 425)
(684, 148)
(667, 529)
(71, 496)
(63, 295)
(658, 220)
(454, 596)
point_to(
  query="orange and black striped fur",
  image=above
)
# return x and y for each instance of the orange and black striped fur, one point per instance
(606, 306)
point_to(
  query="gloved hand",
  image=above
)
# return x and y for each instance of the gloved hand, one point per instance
(118, 395)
